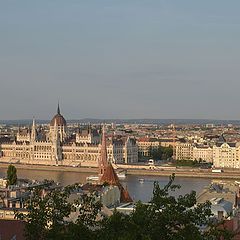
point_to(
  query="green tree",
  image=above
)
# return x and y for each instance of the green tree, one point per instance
(160, 153)
(164, 217)
(46, 213)
(11, 175)
(88, 207)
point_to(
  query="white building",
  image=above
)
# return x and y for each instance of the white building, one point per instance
(226, 155)
(204, 153)
(57, 147)
(184, 151)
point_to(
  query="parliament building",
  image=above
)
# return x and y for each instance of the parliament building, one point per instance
(57, 146)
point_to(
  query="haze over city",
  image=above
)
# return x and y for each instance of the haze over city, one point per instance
(120, 59)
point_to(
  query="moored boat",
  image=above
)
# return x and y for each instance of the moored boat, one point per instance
(141, 180)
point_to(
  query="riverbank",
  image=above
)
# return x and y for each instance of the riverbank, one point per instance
(51, 168)
(133, 170)
(188, 174)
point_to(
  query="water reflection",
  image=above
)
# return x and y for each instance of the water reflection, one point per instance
(143, 191)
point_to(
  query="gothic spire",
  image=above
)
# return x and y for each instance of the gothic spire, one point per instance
(103, 154)
(33, 133)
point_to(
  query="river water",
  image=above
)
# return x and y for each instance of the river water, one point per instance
(137, 190)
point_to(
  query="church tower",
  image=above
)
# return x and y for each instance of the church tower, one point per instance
(103, 162)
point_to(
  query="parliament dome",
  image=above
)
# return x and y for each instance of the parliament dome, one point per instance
(59, 119)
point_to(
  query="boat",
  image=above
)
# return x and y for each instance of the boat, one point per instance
(121, 176)
(141, 180)
(92, 178)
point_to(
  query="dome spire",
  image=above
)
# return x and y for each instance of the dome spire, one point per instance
(58, 109)
(60, 119)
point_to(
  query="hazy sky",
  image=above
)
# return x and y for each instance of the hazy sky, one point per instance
(120, 58)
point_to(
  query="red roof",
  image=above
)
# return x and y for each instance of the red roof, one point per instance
(59, 119)
(111, 178)
(11, 228)
(144, 139)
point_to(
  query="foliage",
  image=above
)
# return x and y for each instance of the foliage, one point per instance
(164, 217)
(161, 153)
(46, 212)
(11, 175)
(187, 163)
(88, 208)
(192, 163)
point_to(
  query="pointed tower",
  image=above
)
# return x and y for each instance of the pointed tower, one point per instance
(109, 176)
(102, 161)
(58, 109)
(107, 173)
(33, 132)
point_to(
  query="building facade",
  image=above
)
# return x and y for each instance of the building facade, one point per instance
(145, 145)
(204, 153)
(226, 155)
(58, 147)
(184, 151)
(223, 154)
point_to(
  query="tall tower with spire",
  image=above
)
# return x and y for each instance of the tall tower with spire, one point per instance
(103, 162)
(33, 132)
(107, 173)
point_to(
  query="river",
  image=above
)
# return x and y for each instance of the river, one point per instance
(137, 190)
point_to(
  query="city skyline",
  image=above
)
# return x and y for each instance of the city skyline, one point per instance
(120, 60)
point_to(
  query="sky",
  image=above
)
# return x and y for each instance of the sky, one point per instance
(120, 59)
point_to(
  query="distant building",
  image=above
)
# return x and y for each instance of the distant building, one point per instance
(88, 135)
(209, 125)
(226, 155)
(223, 154)
(189, 151)
(145, 145)
(184, 151)
(204, 153)
(167, 142)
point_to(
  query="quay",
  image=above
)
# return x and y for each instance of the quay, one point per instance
(231, 174)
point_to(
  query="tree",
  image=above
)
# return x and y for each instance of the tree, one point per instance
(46, 213)
(161, 152)
(88, 208)
(164, 217)
(11, 175)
